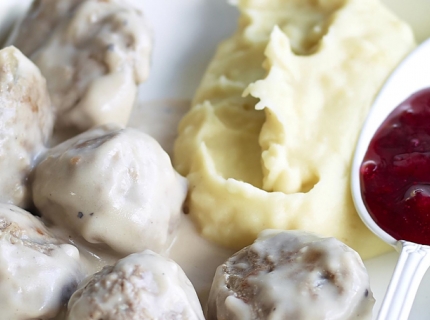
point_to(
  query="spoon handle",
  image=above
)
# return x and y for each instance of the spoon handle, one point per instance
(413, 263)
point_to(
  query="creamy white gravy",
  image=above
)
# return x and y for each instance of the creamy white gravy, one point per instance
(197, 256)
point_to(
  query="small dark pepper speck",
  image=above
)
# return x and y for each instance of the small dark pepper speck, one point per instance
(185, 209)
(80, 215)
(366, 293)
(92, 213)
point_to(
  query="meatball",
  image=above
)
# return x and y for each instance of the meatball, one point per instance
(141, 286)
(93, 54)
(114, 186)
(40, 21)
(38, 272)
(26, 119)
(291, 275)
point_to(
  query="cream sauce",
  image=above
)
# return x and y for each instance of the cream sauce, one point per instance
(160, 119)
(197, 256)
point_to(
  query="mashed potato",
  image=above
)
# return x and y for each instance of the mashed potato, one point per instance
(269, 140)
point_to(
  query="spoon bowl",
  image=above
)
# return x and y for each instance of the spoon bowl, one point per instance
(412, 75)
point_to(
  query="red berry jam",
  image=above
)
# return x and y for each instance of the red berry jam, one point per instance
(395, 173)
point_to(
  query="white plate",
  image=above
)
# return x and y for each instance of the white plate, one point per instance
(186, 34)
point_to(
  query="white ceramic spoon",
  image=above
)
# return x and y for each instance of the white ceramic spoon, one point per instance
(412, 75)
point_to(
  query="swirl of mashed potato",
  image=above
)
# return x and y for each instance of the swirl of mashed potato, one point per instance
(269, 140)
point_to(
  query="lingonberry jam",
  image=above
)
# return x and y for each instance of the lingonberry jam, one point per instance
(395, 173)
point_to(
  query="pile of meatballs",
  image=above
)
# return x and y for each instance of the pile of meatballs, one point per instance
(68, 82)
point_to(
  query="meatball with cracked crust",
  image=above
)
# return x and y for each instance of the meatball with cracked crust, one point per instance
(26, 119)
(93, 53)
(142, 286)
(38, 272)
(291, 275)
(114, 186)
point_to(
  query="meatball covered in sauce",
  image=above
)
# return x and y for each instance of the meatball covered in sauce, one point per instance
(38, 272)
(114, 186)
(26, 120)
(141, 286)
(93, 53)
(291, 275)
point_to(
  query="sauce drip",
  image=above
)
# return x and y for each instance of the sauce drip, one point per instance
(395, 173)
